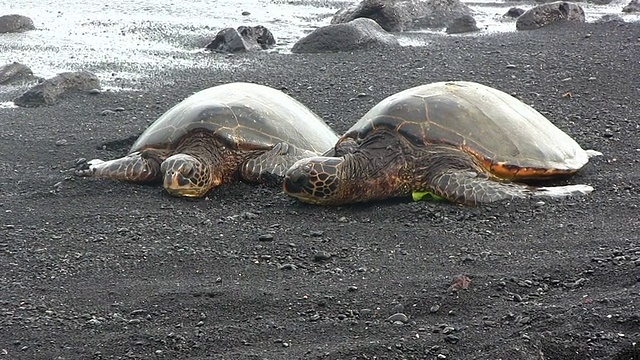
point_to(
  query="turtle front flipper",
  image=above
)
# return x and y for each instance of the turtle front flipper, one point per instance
(136, 167)
(469, 187)
(272, 165)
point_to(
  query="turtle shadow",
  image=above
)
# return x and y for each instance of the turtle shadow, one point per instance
(120, 144)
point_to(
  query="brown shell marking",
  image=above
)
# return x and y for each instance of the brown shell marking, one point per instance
(508, 171)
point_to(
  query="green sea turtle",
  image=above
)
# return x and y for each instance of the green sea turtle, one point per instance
(462, 141)
(236, 131)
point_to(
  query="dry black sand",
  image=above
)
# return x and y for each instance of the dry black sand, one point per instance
(93, 269)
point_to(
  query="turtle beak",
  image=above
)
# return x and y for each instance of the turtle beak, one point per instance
(178, 185)
(175, 180)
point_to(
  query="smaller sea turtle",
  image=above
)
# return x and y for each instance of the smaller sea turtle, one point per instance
(236, 131)
(461, 141)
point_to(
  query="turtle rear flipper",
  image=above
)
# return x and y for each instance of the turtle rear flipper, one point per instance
(562, 191)
(272, 165)
(471, 188)
(135, 167)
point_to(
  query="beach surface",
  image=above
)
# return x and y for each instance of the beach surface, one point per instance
(95, 269)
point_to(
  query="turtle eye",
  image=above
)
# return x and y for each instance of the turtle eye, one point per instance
(299, 178)
(307, 169)
(296, 181)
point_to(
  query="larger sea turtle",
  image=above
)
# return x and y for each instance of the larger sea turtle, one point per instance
(236, 131)
(461, 141)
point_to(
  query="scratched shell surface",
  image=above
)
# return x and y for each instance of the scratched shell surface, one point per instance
(484, 121)
(242, 116)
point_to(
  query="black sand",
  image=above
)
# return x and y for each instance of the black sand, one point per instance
(93, 269)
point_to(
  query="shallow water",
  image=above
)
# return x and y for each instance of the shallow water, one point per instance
(146, 34)
(141, 34)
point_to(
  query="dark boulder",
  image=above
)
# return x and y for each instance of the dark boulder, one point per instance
(545, 14)
(15, 23)
(401, 15)
(49, 91)
(462, 24)
(258, 34)
(15, 72)
(633, 6)
(514, 12)
(245, 38)
(356, 34)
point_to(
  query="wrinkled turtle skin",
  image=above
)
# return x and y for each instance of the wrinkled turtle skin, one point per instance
(461, 141)
(231, 132)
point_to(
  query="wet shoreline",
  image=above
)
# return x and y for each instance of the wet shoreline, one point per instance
(134, 48)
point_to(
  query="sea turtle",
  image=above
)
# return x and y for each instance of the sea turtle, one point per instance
(236, 131)
(461, 141)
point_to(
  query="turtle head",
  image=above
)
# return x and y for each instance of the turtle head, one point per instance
(315, 180)
(184, 175)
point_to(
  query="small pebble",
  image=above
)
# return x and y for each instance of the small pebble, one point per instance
(287, 267)
(434, 308)
(265, 237)
(118, 109)
(249, 215)
(246, 13)
(460, 282)
(352, 288)
(397, 308)
(61, 142)
(398, 317)
(94, 91)
(451, 339)
(321, 256)
(511, 66)
(107, 112)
